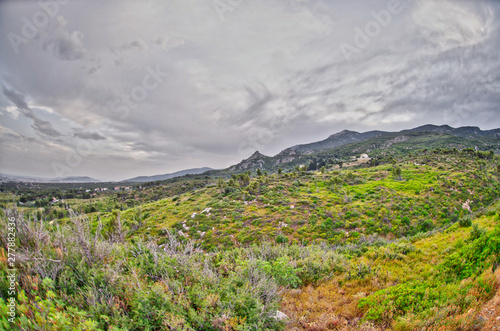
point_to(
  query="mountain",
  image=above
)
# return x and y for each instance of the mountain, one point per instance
(346, 137)
(76, 179)
(256, 160)
(464, 132)
(143, 179)
(345, 144)
(337, 139)
(28, 179)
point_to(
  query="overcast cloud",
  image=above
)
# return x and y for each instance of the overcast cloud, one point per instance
(116, 89)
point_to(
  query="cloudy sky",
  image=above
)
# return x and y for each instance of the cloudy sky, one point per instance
(115, 89)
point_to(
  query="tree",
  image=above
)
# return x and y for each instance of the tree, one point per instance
(280, 171)
(221, 184)
(233, 183)
(341, 164)
(244, 178)
(323, 170)
(397, 172)
(259, 172)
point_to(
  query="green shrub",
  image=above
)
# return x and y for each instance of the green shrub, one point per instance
(281, 239)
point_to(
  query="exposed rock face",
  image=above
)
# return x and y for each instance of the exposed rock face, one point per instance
(257, 160)
(285, 160)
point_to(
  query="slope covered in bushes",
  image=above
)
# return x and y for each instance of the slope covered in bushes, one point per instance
(405, 245)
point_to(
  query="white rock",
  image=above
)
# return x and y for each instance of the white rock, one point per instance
(280, 316)
(194, 215)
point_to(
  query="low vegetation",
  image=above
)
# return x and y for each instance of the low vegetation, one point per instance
(403, 242)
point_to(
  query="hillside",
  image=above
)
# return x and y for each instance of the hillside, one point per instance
(144, 179)
(340, 147)
(419, 194)
(404, 243)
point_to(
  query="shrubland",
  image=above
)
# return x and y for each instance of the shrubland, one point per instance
(407, 244)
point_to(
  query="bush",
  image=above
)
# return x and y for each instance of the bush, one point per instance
(471, 259)
(398, 300)
(281, 239)
(465, 222)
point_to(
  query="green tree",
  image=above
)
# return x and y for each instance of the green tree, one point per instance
(244, 178)
(221, 184)
(397, 173)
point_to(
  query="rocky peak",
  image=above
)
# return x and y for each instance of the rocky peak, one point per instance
(343, 133)
(255, 156)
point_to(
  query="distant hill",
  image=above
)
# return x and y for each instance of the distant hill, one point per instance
(144, 179)
(28, 179)
(76, 179)
(464, 132)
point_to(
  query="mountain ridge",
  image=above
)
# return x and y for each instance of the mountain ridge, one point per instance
(34, 179)
(299, 154)
(144, 179)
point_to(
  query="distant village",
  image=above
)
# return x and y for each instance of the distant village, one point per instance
(117, 188)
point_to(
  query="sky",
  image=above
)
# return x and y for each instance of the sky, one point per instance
(121, 88)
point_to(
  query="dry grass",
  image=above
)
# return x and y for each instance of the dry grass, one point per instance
(329, 306)
(490, 312)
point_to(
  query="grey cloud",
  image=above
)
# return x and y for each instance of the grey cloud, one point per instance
(19, 136)
(88, 135)
(134, 45)
(44, 127)
(17, 99)
(65, 45)
(39, 124)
